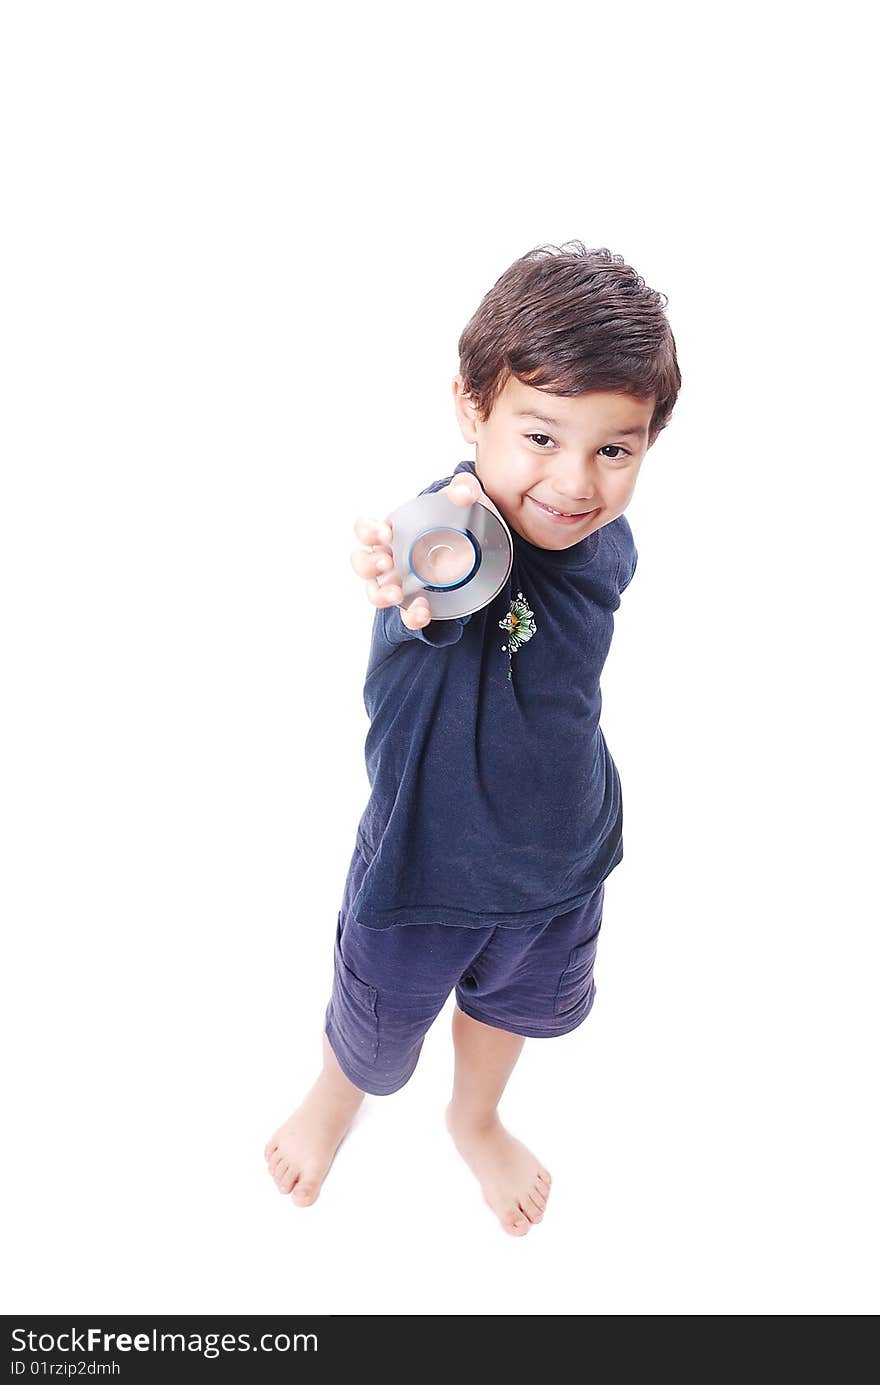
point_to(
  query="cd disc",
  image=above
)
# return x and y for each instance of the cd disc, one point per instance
(458, 556)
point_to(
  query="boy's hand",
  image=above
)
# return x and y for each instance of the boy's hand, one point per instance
(374, 561)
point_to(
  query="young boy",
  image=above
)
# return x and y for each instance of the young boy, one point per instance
(495, 809)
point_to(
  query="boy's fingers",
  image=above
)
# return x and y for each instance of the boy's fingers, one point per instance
(367, 563)
(383, 596)
(417, 614)
(371, 531)
(375, 558)
(464, 490)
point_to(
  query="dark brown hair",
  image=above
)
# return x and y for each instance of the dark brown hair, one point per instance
(570, 320)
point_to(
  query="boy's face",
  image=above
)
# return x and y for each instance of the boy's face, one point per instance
(585, 462)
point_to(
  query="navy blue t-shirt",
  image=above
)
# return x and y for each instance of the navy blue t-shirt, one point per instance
(494, 799)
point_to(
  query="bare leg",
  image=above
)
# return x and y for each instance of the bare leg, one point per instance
(301, 1151)
(515, 1184)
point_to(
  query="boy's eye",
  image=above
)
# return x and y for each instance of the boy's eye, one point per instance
(609, 447)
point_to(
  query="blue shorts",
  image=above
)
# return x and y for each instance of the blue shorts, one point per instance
(390, 984)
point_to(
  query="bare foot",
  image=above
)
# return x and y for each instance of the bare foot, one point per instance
(301, 1151)
(515, 1184)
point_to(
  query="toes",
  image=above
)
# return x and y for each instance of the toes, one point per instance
(533, 1208)
(528, 1208)
(283, 1174)
(286, 1182)
(538, 1196)
(543, 1180)
(305, 1192)
(270, 1149)
(516, 1222)
(275, 1161)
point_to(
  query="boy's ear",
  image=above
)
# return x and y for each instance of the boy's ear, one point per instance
(465, 408)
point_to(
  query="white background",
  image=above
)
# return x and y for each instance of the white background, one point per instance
(240, 243)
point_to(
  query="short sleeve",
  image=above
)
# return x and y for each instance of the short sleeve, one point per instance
(622, 585)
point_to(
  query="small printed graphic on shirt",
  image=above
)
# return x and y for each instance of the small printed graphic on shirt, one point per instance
(520, 623)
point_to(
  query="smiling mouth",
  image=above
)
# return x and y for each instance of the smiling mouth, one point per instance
(564, 514)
